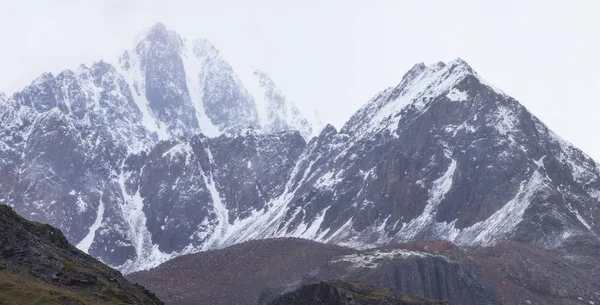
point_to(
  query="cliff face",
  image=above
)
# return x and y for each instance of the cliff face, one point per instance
(338, 292)
(411, 272)
(39, 266)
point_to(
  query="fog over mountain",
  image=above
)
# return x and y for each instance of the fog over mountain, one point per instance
(182, 166)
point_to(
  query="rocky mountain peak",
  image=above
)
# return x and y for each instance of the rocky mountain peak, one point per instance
(458, 62)
(328, 130)
(438, 74)
(420, 87)
(183, 87)
(159, 34)
(458, 68)
(39, 94)
(156, 75)
(443, 135)
(158, 27)
(413, 72)
(340, 292)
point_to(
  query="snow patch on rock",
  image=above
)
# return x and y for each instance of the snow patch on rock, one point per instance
(456, 95)
(374, 259)
(85, 244)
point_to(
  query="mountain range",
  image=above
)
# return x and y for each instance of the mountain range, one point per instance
(169, 151)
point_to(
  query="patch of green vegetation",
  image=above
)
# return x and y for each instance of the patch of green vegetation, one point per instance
(16, 289)
(37, 224)
(102, 268)
(71, 268)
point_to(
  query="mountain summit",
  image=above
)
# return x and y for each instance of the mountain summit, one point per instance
(184, 87)
(444, 155)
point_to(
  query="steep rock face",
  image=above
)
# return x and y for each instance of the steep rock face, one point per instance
(165, 86)
(59, 158)
(338, 292)
(39, 266)
(433, 276)
(184, 197)
(251, 170)
(10, 157)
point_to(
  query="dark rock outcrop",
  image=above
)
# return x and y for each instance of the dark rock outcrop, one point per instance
(336, 292)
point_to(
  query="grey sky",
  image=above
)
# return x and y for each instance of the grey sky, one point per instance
(335, 55)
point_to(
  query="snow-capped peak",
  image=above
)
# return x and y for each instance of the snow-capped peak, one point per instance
(415, 71)
(158, 33)
(436, 77)
(183, 87)
(420, 86)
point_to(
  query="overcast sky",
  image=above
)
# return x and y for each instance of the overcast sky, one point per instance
(335, 55)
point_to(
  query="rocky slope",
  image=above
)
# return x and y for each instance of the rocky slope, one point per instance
(520, 272)
(338, 292)
(236, 274)
(39, 266)
(257, 272)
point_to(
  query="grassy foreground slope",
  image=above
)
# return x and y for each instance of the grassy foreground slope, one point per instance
(38, 266)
